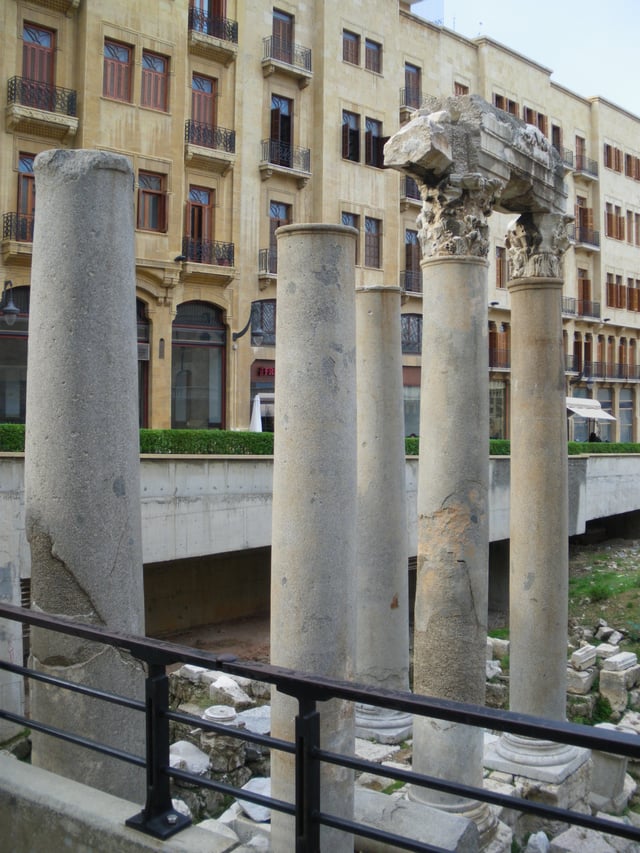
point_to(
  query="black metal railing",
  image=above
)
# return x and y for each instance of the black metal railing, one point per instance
(267, 261)
(283, 154)
(208, 252)
(158, 818)
(587, 236)
(208, 136)
(411, 97)
(285, 51)
(586, 165)
(571, 364)
(220, 28)
(567, 156)
(42, 96)
(409, 188)
(569, 305)
(17, 226)
(587, 308)
(499, 357)
(411, 280)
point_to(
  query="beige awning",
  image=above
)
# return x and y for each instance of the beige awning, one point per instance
(589, 409)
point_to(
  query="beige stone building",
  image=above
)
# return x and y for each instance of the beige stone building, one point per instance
(239, 116)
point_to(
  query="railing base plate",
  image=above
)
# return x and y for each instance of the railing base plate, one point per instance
(161, 826)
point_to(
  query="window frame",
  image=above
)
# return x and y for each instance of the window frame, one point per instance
(372, 242)
(120, 69)
(373, 56)
(350, 47)
(350, 136)
(147, 195)
(154, 86)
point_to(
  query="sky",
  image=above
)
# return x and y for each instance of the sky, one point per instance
(590, 46)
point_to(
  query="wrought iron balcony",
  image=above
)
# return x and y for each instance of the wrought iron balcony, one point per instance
(411, 98)
(280, 156)
(411, 281)
(584, 236)
(268, 262)
(409, 193)
(567, 156)
(570, 362)
(587, 308)
(586, 166)
(17, 226)
(499, 358)
(278, 49)
(208, 252)
(42, 96)
(210, 137)
(211, 25)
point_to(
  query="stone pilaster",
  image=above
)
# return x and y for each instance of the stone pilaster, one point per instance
(382, 614)
(314, 501)
(82, 467)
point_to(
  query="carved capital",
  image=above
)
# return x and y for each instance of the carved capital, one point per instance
(536, 243)
(453, 219)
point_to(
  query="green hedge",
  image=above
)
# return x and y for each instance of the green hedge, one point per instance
(228, 442)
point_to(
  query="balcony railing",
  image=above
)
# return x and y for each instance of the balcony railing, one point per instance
(409, 188)
(411, 280)
(586, 236)
(42, 96)
(571, 364)
(220, 28)
(586, 165)
(280, 50)
(411, 97)
(158, 817)
(289, 156)
(208, 136)
(567, 156)
(268, 262)
(208, 252)
(586, 308)
(499, 358)
(17, 226)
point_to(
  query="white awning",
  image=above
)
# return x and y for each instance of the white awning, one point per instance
(589, 409)
(262, 407)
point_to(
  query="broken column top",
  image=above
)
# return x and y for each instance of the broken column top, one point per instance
(454, 138)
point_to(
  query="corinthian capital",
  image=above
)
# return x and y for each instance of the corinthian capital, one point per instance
(536, 243)
(453, 219)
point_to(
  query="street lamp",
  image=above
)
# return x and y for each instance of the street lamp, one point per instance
(257, 333)
(7, 306)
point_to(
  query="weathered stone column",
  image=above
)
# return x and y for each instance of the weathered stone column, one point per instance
(382, 606)
(314, 500)
(539, 571)
(82, 486)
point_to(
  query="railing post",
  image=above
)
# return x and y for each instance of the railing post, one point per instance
(158, 818)
(307, 785)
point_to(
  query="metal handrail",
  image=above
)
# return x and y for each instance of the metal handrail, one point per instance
(42, 96)
(17, 226)
(282, 154)
(210, 136)
(213, 252)
(211, 25)
(308, 690)
(282, 50)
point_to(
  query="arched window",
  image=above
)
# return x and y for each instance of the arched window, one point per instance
(198, 367)
(13, 361)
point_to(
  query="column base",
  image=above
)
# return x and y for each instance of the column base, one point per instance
(382, 725)
(494, 835)
(542, 760)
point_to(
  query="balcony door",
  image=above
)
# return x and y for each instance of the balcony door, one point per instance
(412, 255)
(282, 34)
(26, 198)
(200, 224)
(281, 131)
(38, 50)
(279, 214)
(203, 100)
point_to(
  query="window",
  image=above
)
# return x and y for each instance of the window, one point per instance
(584, 221)
(263, 316)
(613, 157)
(616, 292)
(26, 199)
(413, 273)
(155, 81)
(539, 120)
(460, 89)
(505, 104)
(499, 345)
(411, 399)
(197, 367)
(279, 214)
(208, 16)
(629, 226)
(413, 86)
(203, 100)
(350, 47)
(629, 166)
(373, 56)
(501, 267)
(281, 137)
(584, 293)
(282, 35)
(605, 400)
(142, 323)
(581, 153)
(374, 143)
(13, 361)
(198, 246)
(353, 221)
(372, 242)
(351, 136)
(497, 409)
(411, 333)
(38, 51)
(614, 221)
(626, 415)
(116, 81)
(151, 202)
(556, 138)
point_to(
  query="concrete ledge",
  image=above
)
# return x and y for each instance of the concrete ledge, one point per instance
(41, 812)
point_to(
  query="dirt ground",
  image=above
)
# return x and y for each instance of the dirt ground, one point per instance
(248, 638)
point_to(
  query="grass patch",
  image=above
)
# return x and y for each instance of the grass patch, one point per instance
(500, 633)
(394, 786)
(600, 585)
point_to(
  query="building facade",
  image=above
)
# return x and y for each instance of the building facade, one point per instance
(239, 116)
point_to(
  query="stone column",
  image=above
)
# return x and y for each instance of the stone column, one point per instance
(539, 571)
(314, 500)
(82, 485)
(453, 482)
(382, 614)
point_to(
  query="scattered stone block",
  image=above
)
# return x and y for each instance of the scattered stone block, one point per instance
(605, 650)
(584, 657)
(186, 756)
(225, 691)
(621, 661)
(219, 828)
(615, 638)
(191, 673)
(608, 778)
(492, 669)
(537, 843)
(580, 682)
(499, 647)
(578, 840)
(255, 811)
(604, 632)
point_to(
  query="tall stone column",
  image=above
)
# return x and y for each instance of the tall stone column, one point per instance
(382, 613)
(82, 485)
(314, 501)
(539, 571)
(453, 482)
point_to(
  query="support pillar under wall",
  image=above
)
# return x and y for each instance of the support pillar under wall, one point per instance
(82, 465)
(382, 598)
(314, 502)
